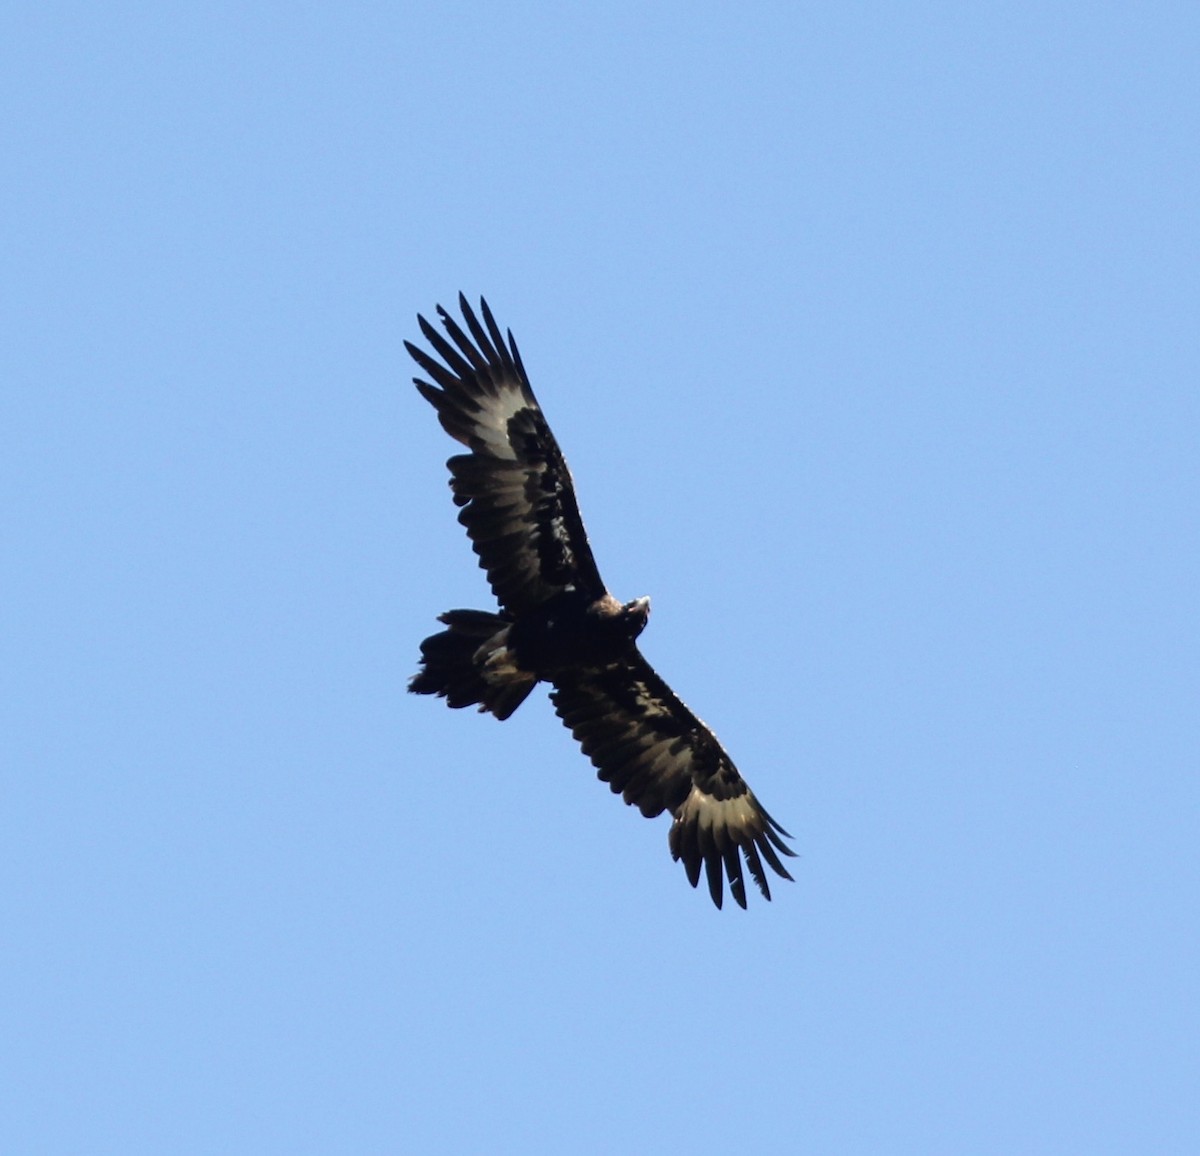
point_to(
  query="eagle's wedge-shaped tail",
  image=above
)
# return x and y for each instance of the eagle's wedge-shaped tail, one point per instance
(471, 664)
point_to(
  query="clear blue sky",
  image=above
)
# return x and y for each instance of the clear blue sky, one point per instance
(872, 335)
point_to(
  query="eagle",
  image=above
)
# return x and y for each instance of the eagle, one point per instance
(558, 623)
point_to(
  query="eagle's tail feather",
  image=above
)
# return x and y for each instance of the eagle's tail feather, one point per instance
(471, 663)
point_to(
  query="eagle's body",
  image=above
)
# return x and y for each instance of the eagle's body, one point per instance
(559, 624)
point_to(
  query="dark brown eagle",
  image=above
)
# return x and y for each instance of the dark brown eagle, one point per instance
(558, 623)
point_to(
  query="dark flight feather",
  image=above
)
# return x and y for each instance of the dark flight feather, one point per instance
(559, 624)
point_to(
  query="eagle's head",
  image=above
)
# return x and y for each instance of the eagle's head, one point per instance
(635, 615)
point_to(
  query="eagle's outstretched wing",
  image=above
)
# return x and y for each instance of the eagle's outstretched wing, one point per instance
(518, 502)
(653, 751)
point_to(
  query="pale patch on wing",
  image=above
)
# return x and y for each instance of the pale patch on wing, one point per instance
(492, 422)
(711, 832)
(719, 815)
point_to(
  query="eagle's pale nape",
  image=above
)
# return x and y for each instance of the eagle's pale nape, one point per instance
(557, 622)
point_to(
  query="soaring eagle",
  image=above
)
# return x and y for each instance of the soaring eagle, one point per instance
(559, 624)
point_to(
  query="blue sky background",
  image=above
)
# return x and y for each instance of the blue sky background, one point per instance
(871, 334)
